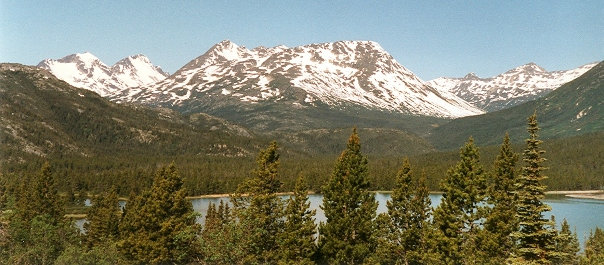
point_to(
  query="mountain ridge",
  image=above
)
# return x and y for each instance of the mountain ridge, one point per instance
(515, 86)
(44, 116)
(337, 74)
(84, 70)
(574, 108)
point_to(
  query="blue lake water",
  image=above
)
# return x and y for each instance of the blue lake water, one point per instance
(583, 215)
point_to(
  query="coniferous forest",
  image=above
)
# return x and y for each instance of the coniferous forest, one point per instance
(488, 215)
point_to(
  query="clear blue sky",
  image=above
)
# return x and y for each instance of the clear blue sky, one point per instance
(432, 39)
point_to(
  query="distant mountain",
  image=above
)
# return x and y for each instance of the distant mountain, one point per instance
(345, 76)
(518, 85)
(85, 70)
(41, 115)
(575, 108)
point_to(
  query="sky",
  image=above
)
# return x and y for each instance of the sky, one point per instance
(430, 38)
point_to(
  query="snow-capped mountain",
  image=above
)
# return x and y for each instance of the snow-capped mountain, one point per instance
(85, 70)
(338, 75)
(518, 85)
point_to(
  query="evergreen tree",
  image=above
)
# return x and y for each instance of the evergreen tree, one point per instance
(38, 231)
(459, 214)
(567, 245)
(41, 197)
(298, 242)
(535, 236)
(159, 225)
(260, 213)
(496, 243)
(346, 236)
(103, 219)
(221, 238)
(594, 248)
(404, 234)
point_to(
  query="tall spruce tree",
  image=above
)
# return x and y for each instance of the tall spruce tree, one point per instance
(221, 238)
(41, 197)
(159, 225)
(103, 219)
(495, 243)
(567, 245)
(298, 241)
(404, 234)
(594, 248)
(535, 236)
(346, 236)
(259, 210)
(38, 230)
(461, 209)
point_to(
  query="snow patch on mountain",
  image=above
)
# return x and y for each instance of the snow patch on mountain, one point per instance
(518, 85)
(86, 71)
(360, 73)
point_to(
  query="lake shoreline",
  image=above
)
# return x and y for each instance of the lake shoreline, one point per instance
(580, 194)
(583, 194)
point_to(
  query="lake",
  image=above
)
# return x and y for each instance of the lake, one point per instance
(583, 215)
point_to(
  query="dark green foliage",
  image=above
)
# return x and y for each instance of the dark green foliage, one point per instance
(594, 248)
(495, 242)
(298, 240)
(159, 225)
(404, 235)
(221, 238)
(39, 241)
(103, 219)
(535, 236)
(37, 231)
(567, 245)
(259, 210)
(346, 236)
(104, 253)
(40, 197)
(459, 214)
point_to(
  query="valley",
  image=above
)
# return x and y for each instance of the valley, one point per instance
(216, 112)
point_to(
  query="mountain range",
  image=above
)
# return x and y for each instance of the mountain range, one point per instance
(304, 95)
(521, 84)
(85, 70)
(574, 108)
(357, 74)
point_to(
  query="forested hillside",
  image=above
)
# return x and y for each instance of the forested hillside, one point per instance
(575, 108)
(486, 216)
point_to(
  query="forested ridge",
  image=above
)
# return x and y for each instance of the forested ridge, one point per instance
(574, 164)
(492, 212)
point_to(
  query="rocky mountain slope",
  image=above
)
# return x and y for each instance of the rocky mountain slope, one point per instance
(85, 70)
(357, 75)
(575, 108)
(518, 85)
(41, 115)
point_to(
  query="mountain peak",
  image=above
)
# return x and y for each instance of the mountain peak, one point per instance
(471, 76)
(529, 67)
(334, 74)
(133, 59)
(228, 50)
(518, 85)
(87, 59)
(85, 70)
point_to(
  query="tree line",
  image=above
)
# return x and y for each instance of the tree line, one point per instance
(485, 217)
